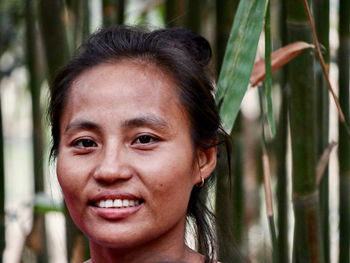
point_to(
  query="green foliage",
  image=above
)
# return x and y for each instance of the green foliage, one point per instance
(239, 59)
(232, 85)
(268, 78)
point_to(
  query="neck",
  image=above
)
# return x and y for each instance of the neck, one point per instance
(109, 255)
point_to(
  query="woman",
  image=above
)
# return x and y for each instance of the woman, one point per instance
(135, 133)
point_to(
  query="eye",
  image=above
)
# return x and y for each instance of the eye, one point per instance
(84, 143)
(145, 139)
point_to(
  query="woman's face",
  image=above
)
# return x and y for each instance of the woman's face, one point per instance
(126, 162)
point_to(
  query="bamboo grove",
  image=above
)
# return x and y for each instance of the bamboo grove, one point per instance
(280, 51)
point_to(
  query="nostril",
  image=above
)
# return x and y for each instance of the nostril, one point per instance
(112, 173)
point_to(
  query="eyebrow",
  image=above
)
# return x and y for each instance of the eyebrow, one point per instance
(82, 125)
(147, 120)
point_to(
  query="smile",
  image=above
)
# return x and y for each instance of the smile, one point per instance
(117, 203)
(117, 207)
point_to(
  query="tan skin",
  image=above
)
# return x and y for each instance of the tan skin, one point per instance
(125, 135)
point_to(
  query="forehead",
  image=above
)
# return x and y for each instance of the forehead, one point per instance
(124, 76)
(126, 87)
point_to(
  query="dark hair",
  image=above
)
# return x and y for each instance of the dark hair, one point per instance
(179, 52)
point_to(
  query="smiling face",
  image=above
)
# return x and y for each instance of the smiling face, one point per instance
(126, 162)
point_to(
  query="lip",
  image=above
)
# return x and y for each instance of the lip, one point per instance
(114, 213)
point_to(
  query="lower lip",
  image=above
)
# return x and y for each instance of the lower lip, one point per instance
(115, 213)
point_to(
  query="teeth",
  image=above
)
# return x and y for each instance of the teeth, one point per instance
(117, 203)
(109, 203)
(125, 203)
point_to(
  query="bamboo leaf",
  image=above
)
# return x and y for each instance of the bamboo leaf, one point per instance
(323, 162)
(46, 209)
(268, 81)
(44, 203)
(279, 58)
(239, 59)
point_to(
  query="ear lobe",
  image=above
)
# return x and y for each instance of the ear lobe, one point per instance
(206, 162)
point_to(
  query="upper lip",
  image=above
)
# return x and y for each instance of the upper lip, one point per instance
(105, 195)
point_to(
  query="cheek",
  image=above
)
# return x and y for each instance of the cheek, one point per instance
(71, 182)
(70, 178)
(170, 179)
(63, 170)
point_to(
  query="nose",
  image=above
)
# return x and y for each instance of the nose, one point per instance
(113, 166)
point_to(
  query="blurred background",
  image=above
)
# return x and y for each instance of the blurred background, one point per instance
(39, 36)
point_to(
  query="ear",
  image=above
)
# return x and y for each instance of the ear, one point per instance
(206, 162)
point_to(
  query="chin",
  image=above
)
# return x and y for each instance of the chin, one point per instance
(117, 239)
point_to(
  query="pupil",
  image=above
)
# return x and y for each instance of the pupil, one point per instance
(88, 143)
(144, 139)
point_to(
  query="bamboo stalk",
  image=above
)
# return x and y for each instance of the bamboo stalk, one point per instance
(229, 211)
(324, 68)
(2, 188)
(307, 229)
(281, 155)
(193, 15)
(269, 204)
(109, 12)
(81, 21)
(344, 219)
(38, 232)
(2, 157)
(175, 13)
(321, 16)
(267, 182)
(54, 35)
(171, 13)
(344, 143)
(225, 12)
(121, 12)
(237, 192)
(267, 176)
(268, 70)
(35, 79)
(267, 115)
(57, 53)
(282, 185)
(113, 12)
(308, 234)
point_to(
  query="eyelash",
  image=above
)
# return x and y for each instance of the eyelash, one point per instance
(143, 140)
(80, 143)
(149, 138)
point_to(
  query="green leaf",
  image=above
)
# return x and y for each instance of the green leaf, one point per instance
(44, 203)
(45, 209)
(268, 77)
(239, 59)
